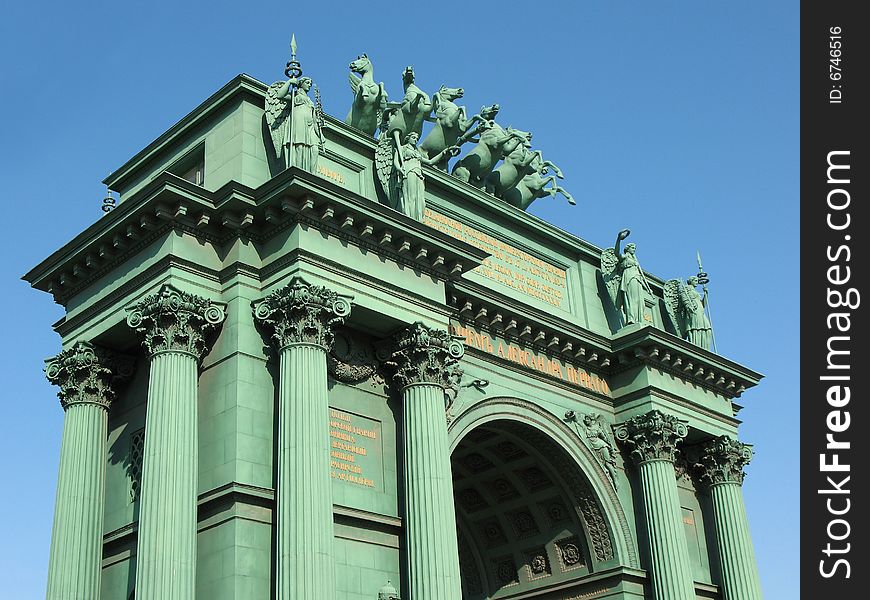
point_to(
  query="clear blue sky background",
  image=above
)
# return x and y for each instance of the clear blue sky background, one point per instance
(676, 119)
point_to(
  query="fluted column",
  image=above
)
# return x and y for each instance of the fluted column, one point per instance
(173, 325)
(301, 317)
(424, 361)
(720, 464)
(85, 374)
(652, 441)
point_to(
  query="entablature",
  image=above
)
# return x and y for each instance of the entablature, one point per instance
(549, 334)
(294, 196)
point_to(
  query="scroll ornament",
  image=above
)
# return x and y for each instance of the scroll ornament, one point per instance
(175, 321)
(87, 374)
(300, 313)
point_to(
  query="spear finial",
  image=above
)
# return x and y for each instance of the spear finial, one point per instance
(294, 68)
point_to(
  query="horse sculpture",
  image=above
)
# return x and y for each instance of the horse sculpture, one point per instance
(451, 122)
(494, 143)
(533, 186)
(369, 98)
(516, 165)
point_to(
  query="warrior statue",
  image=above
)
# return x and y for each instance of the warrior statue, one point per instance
(687, 309)
(293, 120)
(625, 281)
(451, 123)
(369, 98)
(533, 186)
(494, 142)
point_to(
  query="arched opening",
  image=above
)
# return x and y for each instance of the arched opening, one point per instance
(528, 523)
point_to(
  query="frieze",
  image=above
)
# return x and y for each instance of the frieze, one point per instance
(88, 374)
(175, 321)
(541, 363)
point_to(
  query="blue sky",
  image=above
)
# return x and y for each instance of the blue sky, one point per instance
(676, 119)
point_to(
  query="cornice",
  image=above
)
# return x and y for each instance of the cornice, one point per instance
(649, 346)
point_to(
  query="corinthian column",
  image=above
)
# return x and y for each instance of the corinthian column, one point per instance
(721, 463)
(652, 441)
(85, 374)
(173, 325)
(301, 317)
(424, 361)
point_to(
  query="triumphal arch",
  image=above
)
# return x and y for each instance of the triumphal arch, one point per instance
(314, 358)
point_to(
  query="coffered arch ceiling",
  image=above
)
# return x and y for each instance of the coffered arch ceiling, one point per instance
(527, 521)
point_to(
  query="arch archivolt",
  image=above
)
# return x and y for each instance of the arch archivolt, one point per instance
(594, 496)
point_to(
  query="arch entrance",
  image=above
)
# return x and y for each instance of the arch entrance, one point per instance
(528, 524)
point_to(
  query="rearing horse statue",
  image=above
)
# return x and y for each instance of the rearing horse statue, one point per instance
(494, 143)
(533, 186)
(369, 98)
(451, 122)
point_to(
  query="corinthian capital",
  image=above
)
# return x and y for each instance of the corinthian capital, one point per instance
(300, 313)
(722, 460)
(424, 355)
(652, 436)
(172, 320)
(86, 374)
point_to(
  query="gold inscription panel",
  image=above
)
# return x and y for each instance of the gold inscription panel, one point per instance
(508, 265)
(512, 352)
(356, 455)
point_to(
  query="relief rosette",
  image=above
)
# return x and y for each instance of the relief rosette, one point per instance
(722, 460)
(175, 321)
(87, 373)
(652, 436)
(422, 355)
(300, 313)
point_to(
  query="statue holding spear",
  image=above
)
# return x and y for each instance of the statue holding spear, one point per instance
(689, 310)
(294, 120)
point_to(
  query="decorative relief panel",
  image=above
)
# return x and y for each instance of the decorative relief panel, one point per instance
(537, 563)
(570, 554)
(505, 572)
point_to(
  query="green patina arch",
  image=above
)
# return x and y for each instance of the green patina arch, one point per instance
(608, 537)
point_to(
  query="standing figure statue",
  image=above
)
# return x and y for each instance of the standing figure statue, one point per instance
(625, 281)
(408, 166)
(533, 186)
(687, 309)
(293, 120)
(451, 122)
(493, 143)
(369, 98)
(398, 120)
